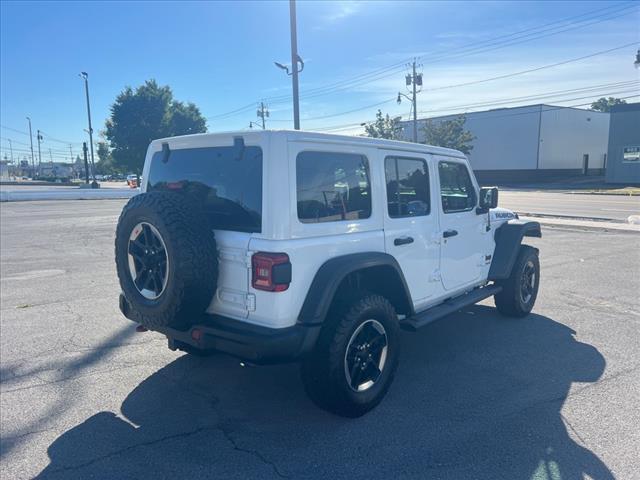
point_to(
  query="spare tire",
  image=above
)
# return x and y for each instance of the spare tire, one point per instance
(166, 260)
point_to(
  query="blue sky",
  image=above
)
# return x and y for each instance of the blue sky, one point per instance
(220, 56)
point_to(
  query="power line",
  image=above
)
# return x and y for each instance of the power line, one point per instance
(233, 112)
(519, 40)
(377, 74)
(538, 96)
(351, 111)
(523, 72)
(499, 113)
(445, 54)
(559, 100)
(451, 86)
(66, 142)
(351, 125)
(14, 130)
(14, 141)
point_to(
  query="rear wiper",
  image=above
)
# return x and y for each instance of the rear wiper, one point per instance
(166, 151)
(238, 148)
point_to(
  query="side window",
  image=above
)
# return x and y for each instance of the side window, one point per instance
(456, 188)
(332, 187)
(407, 187)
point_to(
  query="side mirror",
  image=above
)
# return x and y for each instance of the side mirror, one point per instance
(488, 199)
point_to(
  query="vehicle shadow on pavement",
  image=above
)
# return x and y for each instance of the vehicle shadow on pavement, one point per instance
(476, 396)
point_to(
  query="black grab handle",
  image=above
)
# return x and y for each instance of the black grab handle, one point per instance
(403, 241)
(450, 233)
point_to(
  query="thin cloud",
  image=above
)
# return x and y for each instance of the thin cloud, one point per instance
(339, 13)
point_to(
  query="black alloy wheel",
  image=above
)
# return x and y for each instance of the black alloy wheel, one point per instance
(148, 261)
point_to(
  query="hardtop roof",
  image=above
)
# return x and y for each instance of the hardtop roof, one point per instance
(310, 136)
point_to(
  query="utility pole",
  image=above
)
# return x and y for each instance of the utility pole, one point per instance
(40, 138)
(295, 60)
(294, 64)
(50, 157)
(33, 162)
(86, 163)
(415, 109)
(414, 80)
(85, 76)
(71, 153)
(262, 112)
(10, 149)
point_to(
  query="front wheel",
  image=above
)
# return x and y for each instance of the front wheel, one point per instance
(520, 290)
(356, 357)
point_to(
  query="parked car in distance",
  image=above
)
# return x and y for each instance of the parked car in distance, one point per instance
(132, 180)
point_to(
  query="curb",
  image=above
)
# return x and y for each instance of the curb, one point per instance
(593, 225)
(572, 217)
(79, 194)
(610, 194)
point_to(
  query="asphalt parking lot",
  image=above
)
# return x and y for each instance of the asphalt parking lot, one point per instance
(82, 395)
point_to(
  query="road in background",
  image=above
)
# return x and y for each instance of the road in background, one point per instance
(477, 395)
(27, 187)
(16, 193)
(616, 207)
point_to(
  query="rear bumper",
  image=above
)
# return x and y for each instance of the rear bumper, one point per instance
(253, 343)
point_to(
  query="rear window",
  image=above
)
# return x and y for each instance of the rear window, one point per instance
(332, 187)
(225, 180)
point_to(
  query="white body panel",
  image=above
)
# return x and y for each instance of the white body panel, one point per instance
(419, 260)
(434, 270)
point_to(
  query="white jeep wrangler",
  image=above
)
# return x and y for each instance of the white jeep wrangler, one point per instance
(275, 246)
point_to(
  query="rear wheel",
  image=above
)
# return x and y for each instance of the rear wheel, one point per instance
(520, 290)
(356, 357)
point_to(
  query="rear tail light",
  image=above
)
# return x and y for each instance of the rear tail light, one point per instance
(270, 271)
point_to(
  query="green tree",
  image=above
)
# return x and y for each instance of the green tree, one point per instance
(604, 104)
(384, 127)
(449, 134)
(142, 115)
(105, 165)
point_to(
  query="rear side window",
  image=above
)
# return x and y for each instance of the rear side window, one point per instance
(332, 187)
(456, 188)
(227, 181)
(407, 187)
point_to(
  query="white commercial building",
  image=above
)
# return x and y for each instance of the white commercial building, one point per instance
(532, 143)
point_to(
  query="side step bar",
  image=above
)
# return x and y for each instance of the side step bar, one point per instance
(448, 307)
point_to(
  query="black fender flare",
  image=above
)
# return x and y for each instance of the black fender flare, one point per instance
(328, 277)
(508, 240)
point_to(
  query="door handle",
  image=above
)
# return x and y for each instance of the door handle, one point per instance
(402, 241)
(449, 233)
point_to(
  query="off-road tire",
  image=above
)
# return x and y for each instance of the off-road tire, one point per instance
(192, 257)
(323, 372)
(510, 301)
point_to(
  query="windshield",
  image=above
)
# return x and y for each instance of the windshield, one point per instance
(227, 182)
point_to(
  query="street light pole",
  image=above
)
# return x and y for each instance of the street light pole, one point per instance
(10, 149)
(294, 64)
(85, 76)
(39, 137)
(295, 60)
(33, 162)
